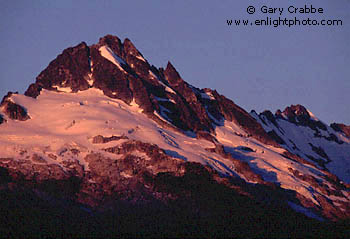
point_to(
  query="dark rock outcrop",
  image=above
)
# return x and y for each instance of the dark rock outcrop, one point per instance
(296, 112)
(299, 115)
(113, 42)
(33, 90)
(136, 61)
(69, 69)
(193, 112)
(320, 151)
(7, 97)
(268, 114)
(206, 135)
(109, 78)
(13, 110)
(99, 139)
(341, 128)
(296, 158)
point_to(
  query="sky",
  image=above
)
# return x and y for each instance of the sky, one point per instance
(257, 66)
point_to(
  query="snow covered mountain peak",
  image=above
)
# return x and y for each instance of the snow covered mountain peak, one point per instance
(297, 113)
(103, 115)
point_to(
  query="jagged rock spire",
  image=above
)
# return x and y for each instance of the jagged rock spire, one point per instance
(112, 42)
(171, 74)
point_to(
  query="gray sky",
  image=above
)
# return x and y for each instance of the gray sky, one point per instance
(258, 67)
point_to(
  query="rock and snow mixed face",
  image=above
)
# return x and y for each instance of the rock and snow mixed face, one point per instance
(307, 136)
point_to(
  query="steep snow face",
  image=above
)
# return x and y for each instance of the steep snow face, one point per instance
(312, 115)
(107, 53)
(326, 147)
(266, 160)
(61, 120)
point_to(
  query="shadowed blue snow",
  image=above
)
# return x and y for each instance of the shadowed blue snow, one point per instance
(305, 211)
(258, 67)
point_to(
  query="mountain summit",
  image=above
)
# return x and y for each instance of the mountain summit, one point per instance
(104, 134)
